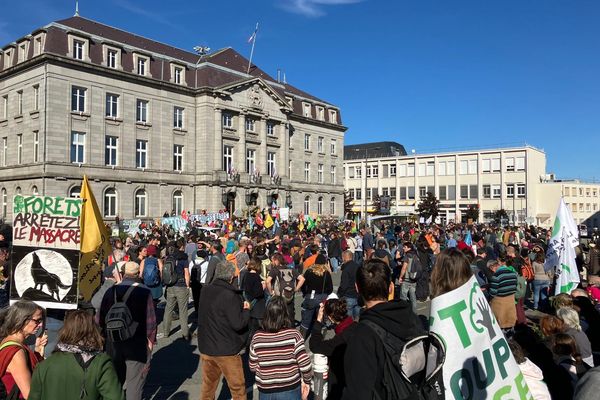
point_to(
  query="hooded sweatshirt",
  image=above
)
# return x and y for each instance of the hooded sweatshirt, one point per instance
(365, 354)
(535, 380)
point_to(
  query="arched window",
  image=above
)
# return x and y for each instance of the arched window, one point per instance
(320, 206)
(332, 206)
(18, 190)
(34, 190)
(4, 203)
(110, 202)
(307, 205)
(177, 202)
(140, 203)
(75, 191)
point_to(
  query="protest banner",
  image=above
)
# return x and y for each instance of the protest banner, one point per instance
(479, 363)
(131, 226)
(95, 245)
(45, 257)
(284, 213)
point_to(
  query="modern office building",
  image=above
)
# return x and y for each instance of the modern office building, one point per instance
(583, 199)
(157, 128)
(493, 178)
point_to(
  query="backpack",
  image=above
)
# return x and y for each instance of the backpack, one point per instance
(151, 273)
(7, 352)
(199, 275)
(527, 270)
(284, 284)
(414, 269)
(412, 368)
(169, 274)
(521, 287)
(118, 322)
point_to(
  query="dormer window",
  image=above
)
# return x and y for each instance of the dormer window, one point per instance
(22, 52)
(78, 49)
(333, 116)
(112, 58)
(177, 73)
(37, 46)
(7, 59)
(320, 113)
(306, 111)
(141, 66)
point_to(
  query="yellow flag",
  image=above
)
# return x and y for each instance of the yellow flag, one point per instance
(268, 220)
(95, 245)
(301, 225)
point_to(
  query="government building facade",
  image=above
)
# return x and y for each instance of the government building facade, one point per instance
(513, 179)
(158, 129)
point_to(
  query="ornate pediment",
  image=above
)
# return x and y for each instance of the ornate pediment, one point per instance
(257, 92)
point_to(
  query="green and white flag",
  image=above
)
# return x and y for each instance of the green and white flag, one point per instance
(479, 363)
(561, 250)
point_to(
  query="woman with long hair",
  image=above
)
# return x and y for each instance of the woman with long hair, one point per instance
(451, 271)
(77, 368)
(541, 280)
(316, 284)
(17, 362)
(278, 356)
(567, 356)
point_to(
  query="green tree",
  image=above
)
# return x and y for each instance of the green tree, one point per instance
(473, 212)
(500, 215)
(429, 207)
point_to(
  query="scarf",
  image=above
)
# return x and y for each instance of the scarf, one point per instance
(85, 353)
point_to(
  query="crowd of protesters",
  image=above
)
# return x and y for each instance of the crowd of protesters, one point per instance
(241, 283)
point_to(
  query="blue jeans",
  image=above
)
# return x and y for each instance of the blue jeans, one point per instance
(310, 307)
(353, 308)
(539, 294)
(335, 264)
(408, 293)
(358, 257)
(294, 394)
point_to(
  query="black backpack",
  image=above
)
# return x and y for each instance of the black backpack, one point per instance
(414, 269)
(169, 272)
(412, 368)
(119, 323)
(285, 284)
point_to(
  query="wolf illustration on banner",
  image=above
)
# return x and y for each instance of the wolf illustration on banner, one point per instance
(42, 277)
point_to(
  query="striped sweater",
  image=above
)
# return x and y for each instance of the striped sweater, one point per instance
(503, 282)
(279, 360)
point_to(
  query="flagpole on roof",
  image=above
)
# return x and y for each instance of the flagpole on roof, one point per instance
(253, 40)
(76, 8)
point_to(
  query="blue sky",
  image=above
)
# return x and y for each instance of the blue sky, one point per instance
(430, 74)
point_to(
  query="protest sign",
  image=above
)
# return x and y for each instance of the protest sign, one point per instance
(46, 241)
(131, 226)
(479, 363)
(284, 213)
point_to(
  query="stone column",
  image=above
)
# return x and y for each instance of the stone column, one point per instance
(261, 159)
(239, 161)
(218, 141)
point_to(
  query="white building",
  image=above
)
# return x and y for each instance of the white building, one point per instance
(495, 179)
(581, 197)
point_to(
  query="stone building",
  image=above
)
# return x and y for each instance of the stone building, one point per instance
(159, 129)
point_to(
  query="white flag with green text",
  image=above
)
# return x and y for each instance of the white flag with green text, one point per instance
(561, 250)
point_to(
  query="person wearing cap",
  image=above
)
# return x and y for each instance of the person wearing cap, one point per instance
(131, 357)
(224, 315)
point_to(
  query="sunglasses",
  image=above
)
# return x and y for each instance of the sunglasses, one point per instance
(37, 320)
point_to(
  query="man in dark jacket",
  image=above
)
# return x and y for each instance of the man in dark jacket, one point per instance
(347, 287)
(216, 256)
(365, 354)
(222, 320)
(334, 251)
(131, 357)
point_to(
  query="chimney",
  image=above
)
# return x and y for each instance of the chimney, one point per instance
(284, 80)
